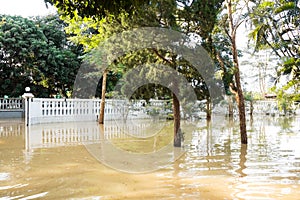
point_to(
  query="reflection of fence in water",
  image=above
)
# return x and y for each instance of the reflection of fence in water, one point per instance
(69, 135)
(7, 130)
(51, 135)
(119, 129)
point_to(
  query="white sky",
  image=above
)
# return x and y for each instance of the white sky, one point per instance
(25, 8)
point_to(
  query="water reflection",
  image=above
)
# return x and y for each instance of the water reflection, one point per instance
(243, 160)
(52, 160)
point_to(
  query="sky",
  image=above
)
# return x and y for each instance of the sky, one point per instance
(25, 8)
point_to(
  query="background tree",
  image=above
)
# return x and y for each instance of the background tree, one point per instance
(200, 17)
(97, 9)
(20, 38)
(63, 57)
(223, 59)
(234, 16)
(276, 26)
(36, 53)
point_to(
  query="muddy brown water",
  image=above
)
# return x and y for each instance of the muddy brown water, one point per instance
(54, 161)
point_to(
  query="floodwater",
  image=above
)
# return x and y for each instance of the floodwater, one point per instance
(88, 161)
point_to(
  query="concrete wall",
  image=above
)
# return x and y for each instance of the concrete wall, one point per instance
(11, 114)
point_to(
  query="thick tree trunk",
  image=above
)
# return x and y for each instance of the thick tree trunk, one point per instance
(239, 95)
(176, 113)
(102, 104)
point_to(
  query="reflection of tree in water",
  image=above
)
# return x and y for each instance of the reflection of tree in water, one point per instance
(285, 124)
(231, 149)
(243, 159)
(224, 142)
(266, 140)
(268, 133)
(228, 142)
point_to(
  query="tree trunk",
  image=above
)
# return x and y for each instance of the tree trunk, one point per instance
(251, 108)
(242, 114)
(176, 113)
(230, 106)
(208, 108)
(239, 95)
(102, 104)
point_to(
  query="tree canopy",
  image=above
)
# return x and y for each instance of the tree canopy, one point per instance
(36, 53)
(100, 8)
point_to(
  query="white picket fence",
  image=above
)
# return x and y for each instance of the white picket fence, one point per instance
(48, 110)
(265, 107)
(11, 104)
(271, 107)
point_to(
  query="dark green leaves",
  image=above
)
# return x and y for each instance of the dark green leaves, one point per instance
(36, 53)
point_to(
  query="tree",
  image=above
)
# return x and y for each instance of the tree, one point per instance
(102, 20)
(62, 57)
(276, 26)
(91, 31)
(35, 53)
(97, 9)
(231, 21)
(200, 17)
(157, 14)
(19, 39)
(222, 55)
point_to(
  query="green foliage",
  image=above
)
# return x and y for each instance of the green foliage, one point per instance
(200, 17)
(222, 52)
(287, 95)
(36, 53)
(248, 96)
(277, 27)
(89, 27)
(286, 7)
(19, 40)
(99, 8)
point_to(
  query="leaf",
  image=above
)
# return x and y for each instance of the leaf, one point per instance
(285, 7)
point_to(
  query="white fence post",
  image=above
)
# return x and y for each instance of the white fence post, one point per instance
(28, 97)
